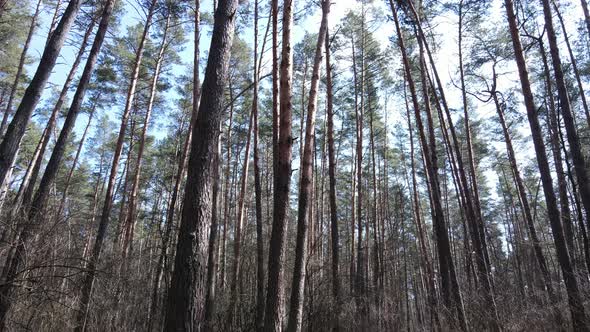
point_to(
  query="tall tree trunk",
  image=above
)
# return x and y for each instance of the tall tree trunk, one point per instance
(238, 226)
(575, 302)
(573, 62)
(19, 69)
(584, 4)
(305, 188)
(211, 259)
(55, 159)
(332, 195)
(18, 125)
(26, 190)
(555, 146)
(274, 309)
(470, 160)
(86, 290)
(451, 292)
(181, 168)
(228, 189)
(358, 277)
(420, 227)
(524, 203)
(568, 117)
(186, 296)
(170, 215)
(471, 196)
(129, 224)
(64, 196)
(257, 180)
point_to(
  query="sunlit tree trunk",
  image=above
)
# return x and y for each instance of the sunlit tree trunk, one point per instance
(275, 293)
(186, 296)
(305, 189)
(130, 220)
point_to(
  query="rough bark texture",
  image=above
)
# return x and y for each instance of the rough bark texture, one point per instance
(274, 310)
(186, 297)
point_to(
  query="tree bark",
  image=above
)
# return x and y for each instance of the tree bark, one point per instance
(572, 135)
(332, 195)
(213, 235)
(305, 188)
(186, 296)
(274, 309)
(26, 189)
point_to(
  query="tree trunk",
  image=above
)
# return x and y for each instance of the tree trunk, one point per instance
(257, 180)
(18, 125)
(238, 226)
(86, 290)
(575, 302)
(21, 65)
(358, 277)
(211, 259)
(574, 63)
(572, 134)
(64, 196)
(424, 251)
(555, 146)
(470, 194)
(26, 190)
(451, 293)
(274, 309)
(186, 296)
(56, 156)
(332, 196)
(305, 188)
(130, 220)
(524, 202)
